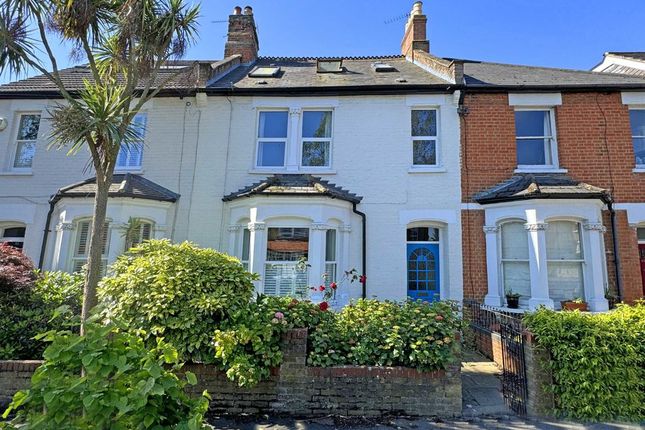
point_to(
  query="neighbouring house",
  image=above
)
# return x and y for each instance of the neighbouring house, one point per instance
(628, 63)
(438, 178)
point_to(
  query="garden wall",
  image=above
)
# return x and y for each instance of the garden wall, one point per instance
(297, 389)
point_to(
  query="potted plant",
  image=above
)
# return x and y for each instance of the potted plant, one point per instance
(575, 304)
(512, 299)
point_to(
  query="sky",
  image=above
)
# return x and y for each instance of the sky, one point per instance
(554, 33)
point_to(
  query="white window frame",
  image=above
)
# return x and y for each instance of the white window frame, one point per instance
(141, 143)
(7, 225)
(502, 260)
(582, 261)
(437, 144)
(331, 277)
(245, 261)
(16, 142)
(75, 257)
(286, 139)
(639, 167)
(553, 152)
(301, 139)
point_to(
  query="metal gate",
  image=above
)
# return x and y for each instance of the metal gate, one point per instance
(487, 323)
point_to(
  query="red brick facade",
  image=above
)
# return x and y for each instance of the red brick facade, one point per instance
(594, 145)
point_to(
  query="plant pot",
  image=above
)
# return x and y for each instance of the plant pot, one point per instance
(571, 306)
(512, 302)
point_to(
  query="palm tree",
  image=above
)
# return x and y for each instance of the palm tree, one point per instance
(126, 43)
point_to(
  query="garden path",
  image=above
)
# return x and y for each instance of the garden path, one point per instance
(481, 387)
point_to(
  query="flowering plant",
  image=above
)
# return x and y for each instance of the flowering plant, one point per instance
(329, 291)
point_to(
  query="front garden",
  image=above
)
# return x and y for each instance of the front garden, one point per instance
(165, 304)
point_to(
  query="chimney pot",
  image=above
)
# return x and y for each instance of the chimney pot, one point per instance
(248, 10)
(417, 8)
(237, 10)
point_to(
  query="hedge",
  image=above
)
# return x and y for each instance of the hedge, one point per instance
(597, 361)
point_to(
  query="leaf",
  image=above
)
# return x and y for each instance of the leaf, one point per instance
(191, 378)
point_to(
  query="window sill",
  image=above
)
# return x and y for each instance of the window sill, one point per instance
(639, 169)
(285, 171)
(540, 170)
(429, 169)
(133, 171)
(10, 173)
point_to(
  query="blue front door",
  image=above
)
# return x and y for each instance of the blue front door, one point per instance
(423, 271)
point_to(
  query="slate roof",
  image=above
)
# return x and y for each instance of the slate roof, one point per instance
(539, 186)
(480, 74)
(123, 185)
(301, 73)
(294, 185)
(196, 74)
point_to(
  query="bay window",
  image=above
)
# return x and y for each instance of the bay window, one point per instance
(331, 265)
(316, 138)
(535, 138)
(564, 260)
(515, 270)
(637, 121)
(287, 247)
(424, 137)
(272, 138)
(246, 245)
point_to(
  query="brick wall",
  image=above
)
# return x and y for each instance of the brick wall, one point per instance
(14, 376)
(474, 254)
(540, 401)
(629, 259)
(297, 389)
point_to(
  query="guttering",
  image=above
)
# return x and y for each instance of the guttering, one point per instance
(52, 203)
(614, 239)
(364, 248)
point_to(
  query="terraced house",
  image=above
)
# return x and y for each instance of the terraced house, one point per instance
(437, 178)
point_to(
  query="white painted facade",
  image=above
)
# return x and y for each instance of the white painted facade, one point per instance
(205, 150)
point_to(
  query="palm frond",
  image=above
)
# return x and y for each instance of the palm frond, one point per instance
(16, 45)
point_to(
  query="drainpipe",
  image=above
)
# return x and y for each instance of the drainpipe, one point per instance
(43, 246)
(614, 239)
(364, 247)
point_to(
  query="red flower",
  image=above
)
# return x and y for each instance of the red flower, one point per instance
(333, 286)
(439, 318)
(362, 279)
(322, 288)
(323, 306)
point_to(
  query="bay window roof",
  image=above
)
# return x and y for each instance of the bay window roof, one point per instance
(123, 185)
(300, 185)
(540, 186)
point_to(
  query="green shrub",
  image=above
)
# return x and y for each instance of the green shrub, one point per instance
(370, 332)
(28, 310)
(125, 385)
(248, 344)
(597, 360)
(176, 291)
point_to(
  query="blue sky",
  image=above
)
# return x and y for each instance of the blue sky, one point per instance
(555, 33)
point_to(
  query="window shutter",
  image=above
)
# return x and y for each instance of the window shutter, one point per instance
(146, 229)
(83, 237)
(104, 238)
(78, 265)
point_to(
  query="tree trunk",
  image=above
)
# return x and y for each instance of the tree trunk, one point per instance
(95, 253)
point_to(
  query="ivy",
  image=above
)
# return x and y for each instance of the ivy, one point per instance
(124, 385)
(597, 361)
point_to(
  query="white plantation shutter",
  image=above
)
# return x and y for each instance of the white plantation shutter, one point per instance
(83, 234)
(142, 234)
(284, 280)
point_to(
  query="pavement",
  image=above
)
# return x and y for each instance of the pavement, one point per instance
(481, 387)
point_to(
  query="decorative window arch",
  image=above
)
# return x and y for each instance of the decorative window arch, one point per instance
(13, 233)
(83, 227)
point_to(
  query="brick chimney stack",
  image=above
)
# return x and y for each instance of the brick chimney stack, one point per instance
(242, 35)
(415, 31)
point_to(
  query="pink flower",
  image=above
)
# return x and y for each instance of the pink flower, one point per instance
(322, 288)
(279, 315)
(333, 286)
(362, 279)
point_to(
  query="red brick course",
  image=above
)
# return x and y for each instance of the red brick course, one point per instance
(474, 254)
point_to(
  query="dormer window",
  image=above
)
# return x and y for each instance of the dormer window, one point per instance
(265, 72)
(334, 65)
